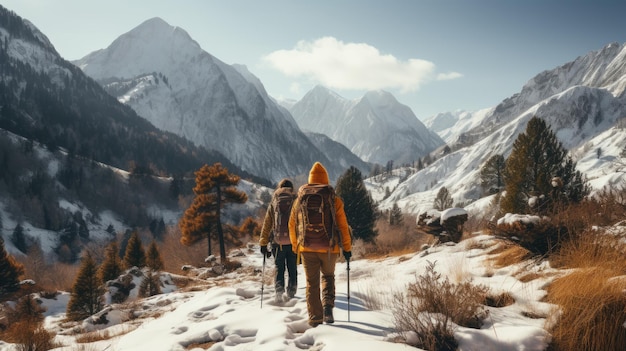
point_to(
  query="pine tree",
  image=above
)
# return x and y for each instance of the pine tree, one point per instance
(443, 199)
(19, 239)
(10, 270)
(112, 266)
(86, 296)
(492, 174)
(215, 188)
(153, 257)
(135, 255)
(358, 204)
(395, 215)
(150, 285)
(536, 160)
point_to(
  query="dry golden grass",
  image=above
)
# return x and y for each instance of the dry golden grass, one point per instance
(592, 311)
(592, 249)
(101, 335)
(175, 255)
(591, 299)
(506, 254)
(393, 240)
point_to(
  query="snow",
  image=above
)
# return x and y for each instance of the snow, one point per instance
(452, 212)
(230, 316)
(511, 218)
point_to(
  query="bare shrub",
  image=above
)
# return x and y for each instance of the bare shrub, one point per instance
(540, 237)
(48, 276)
(432, 306)
(28, 335)
(501, 300)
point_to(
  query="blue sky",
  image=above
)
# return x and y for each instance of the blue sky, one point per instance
(433, 55)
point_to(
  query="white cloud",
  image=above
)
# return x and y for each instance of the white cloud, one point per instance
(352, 66)
(449, 76)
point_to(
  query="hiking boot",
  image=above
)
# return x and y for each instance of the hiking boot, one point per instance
(291, 292)
(328, 315)
(278, 298)
(314, 323)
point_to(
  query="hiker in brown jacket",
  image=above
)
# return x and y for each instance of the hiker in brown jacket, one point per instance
(275, 231)
(317, 258)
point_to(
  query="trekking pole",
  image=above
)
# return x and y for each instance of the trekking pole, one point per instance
(348, 272)
(262, 279)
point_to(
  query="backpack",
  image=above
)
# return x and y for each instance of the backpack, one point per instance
(282, 201)
(316, 217)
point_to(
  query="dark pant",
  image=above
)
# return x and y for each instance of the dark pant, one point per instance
(284, 257)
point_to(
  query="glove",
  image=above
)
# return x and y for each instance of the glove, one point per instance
(347, 255)
(266, 252)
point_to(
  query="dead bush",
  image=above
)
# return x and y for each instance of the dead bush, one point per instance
(500, 300)
(431, 307)
(540, 238)
(29, 335)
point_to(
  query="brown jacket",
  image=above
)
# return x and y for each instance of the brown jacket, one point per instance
(268, 222)
(318, 175)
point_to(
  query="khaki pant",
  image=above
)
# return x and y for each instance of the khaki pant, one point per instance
(315, 263)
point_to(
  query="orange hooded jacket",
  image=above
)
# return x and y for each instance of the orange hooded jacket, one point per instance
(319, 175)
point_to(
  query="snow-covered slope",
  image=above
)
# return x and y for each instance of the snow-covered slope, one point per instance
(582, 101)
(166, 77)
(376, 127)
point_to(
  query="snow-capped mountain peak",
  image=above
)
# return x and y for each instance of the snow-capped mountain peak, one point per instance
(169, 80)
(365, 124)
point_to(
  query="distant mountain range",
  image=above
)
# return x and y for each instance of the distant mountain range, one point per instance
(376, 127)
(583, 102)
(165, 76)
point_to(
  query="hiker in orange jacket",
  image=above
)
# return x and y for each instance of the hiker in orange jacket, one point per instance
(319, 260)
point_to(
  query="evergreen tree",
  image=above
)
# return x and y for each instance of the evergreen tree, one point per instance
(492, 174)
(135, 255)
(395, 215)
(150, 285)
(536, 161)
(19, 239)
(443, 199)
(112, 266)
(86, 296)
(215, 188)
(10, 271)
(153, 257)
(358, 204)
(28, 309)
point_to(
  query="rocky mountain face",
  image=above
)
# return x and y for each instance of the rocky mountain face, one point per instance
(167, 78)
(376, 127)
